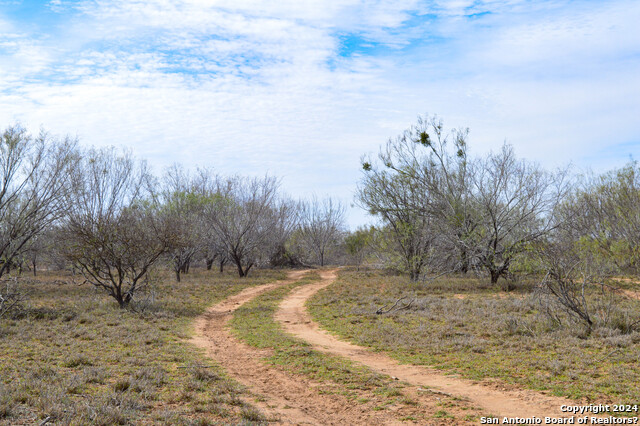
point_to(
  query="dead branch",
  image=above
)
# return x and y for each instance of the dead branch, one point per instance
(382, 310)
(11, 297)
(606, 356)
(431, 279)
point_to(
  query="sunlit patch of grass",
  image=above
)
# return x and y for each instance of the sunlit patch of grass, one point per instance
(74, 357)
(468, 326)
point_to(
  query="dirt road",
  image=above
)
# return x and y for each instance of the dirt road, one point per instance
(290, 399)
(501, 402)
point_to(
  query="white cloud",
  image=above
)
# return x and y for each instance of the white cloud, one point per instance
(254, 87)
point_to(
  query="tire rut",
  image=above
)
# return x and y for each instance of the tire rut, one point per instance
(500, 402)
(290, 399)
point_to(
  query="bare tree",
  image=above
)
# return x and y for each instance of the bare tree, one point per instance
(34, 176)
(575, 278)
(446, 170)
(206, 185)
(244, 216)
(451, 212)
(183, 207)
(113, 234)
(321, 226)
(282, 221)
(38, 248)
(517, 203)
(215, 252)
(391, 196)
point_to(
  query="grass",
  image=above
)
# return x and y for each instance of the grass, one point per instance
(467, 326)
(254, 323)
(73, 357)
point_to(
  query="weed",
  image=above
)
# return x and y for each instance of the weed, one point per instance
(442, 414)
(77, 361)
(253, 415)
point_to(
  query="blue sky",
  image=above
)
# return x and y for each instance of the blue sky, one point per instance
(302, 89)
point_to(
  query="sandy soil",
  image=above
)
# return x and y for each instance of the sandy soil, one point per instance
(495, 398)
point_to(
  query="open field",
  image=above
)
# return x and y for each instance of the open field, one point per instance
(73, 357)
(466, 326)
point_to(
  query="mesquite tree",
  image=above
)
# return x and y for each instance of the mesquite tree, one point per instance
(451, 212)
(183, 209)
(113, 233)
(249, 220)
(321, 226)
(34, 178)
(598, 238)
(418, 190)
(604, 214)
(517, 203)
(391, 196)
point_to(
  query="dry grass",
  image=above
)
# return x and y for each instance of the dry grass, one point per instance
(467, 326)
(73, 357)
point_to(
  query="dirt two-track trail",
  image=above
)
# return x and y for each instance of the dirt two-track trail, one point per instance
(501, 402)
(297, 400)
(289, 399)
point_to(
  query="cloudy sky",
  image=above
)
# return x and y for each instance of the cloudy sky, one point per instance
(301, 89)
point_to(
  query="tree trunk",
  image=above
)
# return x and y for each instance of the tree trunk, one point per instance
(222, 262)
(240, 270)
(122, 299)
(498, 271)
(414, 274)
(123, 302)
(177, 274)
(464, 262)
(209, 264)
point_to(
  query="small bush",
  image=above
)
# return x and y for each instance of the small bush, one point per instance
(12, 297)
(252, 414)
(6, 404)
(121, 385)
(204, 374)
(77, 361)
